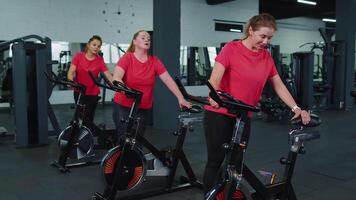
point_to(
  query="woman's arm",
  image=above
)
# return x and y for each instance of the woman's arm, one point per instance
(215, 79)
(119, 73)
(71, 72)
(283, 93)
(108, 75)
(216, 75)
(172, 86)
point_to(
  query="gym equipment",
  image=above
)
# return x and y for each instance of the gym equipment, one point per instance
(6, 81)
(29, 88)
(63, 66)
(332, 91)
(126, 167)
(75, 141)
(198, 65)
(321, 81)
(230, 185)
(353, 93)
(303, 63)
(271, 104)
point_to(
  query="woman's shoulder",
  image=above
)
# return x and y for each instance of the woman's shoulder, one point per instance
(100, 58)
(127, 55)
(79, 54)
(233, 43)
(229, 46)
(153, 58)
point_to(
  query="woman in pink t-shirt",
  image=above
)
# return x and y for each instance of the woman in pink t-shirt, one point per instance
(82, 62)
(138, 70)
(242, 69)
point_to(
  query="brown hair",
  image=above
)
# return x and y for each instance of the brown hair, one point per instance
(132, 46)
(261, 20)
(94, 37)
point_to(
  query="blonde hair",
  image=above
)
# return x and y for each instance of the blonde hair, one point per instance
(132, 46)
(258, 21)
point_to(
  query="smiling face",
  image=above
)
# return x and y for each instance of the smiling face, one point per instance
(261, 37)
(142, 41)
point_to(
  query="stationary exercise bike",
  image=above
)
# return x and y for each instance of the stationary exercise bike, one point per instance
(76, 141)
(230, 186)
(126, 167)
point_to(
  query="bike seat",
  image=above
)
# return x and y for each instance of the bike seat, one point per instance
(314, 121)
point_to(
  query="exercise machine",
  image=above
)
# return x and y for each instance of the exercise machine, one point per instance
(126, 167)
(76, 141)
(31, 56)
(230, 185)
(63, 66)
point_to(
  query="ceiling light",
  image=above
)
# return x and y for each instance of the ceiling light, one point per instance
(307, 2)
(329, 20)
(235, 30)
(229, 26)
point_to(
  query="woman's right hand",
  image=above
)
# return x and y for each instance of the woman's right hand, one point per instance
(184, 103)
(213, 103)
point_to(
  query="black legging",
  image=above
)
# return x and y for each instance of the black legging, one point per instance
(218, 130)
(121, 113)
(90, 102)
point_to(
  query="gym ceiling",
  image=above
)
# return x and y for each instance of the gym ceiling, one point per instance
(282, 9)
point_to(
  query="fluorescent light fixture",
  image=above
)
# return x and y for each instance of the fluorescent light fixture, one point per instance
(235, 30)
(229, 27)
(307, 2)
(329, 20)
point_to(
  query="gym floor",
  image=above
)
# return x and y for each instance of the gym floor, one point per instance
(326, 171)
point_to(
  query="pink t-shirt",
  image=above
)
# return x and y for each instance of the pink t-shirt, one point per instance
(83, 65)
(139, 76)
(246, 73)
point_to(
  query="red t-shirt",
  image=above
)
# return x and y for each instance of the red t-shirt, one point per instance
(139, 76)
(246, 73)
(83, 65)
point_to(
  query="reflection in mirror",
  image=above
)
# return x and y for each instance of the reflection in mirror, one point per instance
(196, 64)
(63, 52)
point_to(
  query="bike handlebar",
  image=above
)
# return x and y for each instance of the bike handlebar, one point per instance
(229, 102)
(115, 86)
(188, 96)
(194, 109)
(54, 78)
(314, 121)
(301, 136)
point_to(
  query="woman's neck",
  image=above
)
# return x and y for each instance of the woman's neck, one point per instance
(141, 54)
(248, 44)
(89, 55)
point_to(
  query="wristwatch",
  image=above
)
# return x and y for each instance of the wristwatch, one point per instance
(295, 107)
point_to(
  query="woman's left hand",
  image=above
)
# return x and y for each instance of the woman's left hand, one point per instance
(303, 114)
(184, 103)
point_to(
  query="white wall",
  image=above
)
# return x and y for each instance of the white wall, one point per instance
(197, 20)
(78, 20)
(75, 20)
(294, 32)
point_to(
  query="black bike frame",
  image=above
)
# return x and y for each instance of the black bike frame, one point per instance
(129, 142)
